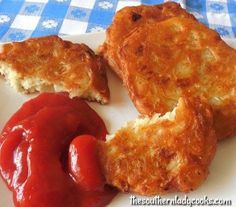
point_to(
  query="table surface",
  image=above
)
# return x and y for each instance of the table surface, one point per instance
(21, 19)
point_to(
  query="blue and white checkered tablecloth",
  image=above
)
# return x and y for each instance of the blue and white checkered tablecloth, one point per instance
(21, 19)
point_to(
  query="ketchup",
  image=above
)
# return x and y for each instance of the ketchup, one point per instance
(43, 164)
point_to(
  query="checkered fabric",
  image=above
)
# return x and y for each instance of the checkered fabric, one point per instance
(21, 19)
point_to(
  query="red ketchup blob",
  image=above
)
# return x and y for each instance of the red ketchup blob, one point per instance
(42, 164)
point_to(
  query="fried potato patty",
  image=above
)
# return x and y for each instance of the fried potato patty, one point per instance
(180, 57)
(162, 154)
(40, 64)
(128, 19)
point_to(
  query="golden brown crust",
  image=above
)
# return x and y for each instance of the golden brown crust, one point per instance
(75, 67)
(162, 155)
(180, 57)
(129, 18)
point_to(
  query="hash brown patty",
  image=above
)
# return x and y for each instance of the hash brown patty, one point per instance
(156, 155)
(45, 63)
(180, 57)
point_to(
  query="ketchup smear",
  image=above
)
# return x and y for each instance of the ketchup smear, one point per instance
(43, 164)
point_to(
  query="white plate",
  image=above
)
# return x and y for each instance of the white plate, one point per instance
(221, 182)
